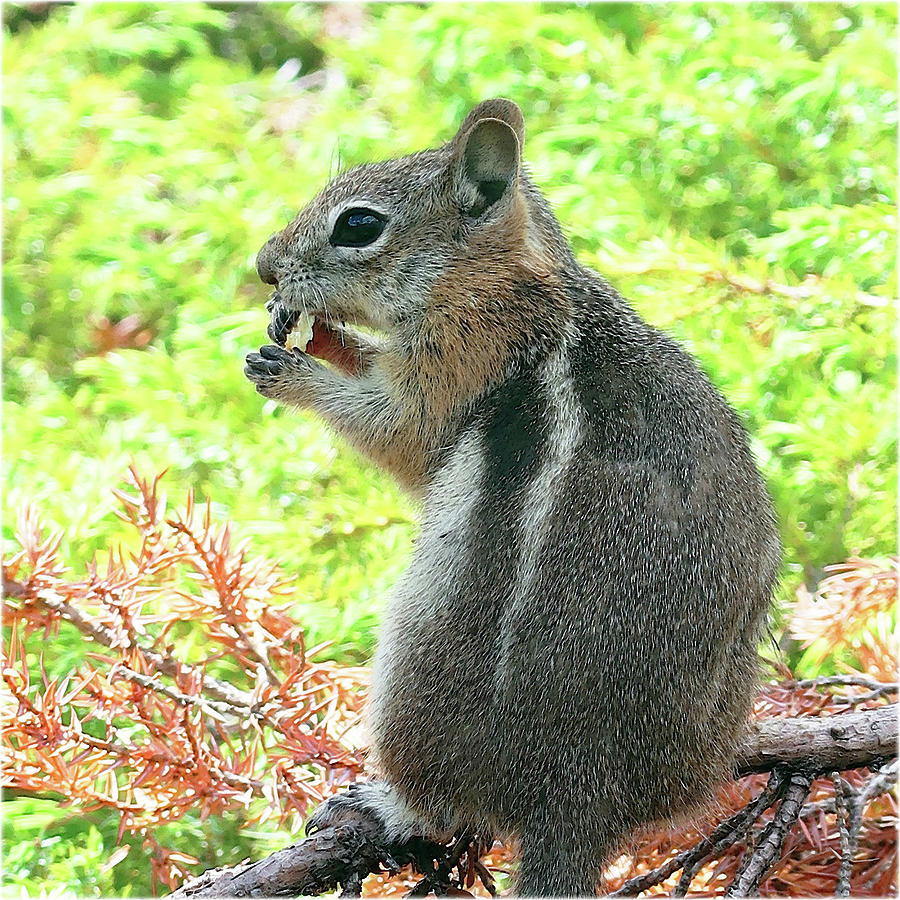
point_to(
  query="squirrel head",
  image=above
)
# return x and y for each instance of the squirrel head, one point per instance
(382, 240)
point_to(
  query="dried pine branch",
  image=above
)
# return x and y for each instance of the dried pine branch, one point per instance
(195, 742)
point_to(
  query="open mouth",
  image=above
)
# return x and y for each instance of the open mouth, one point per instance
(296, 328)
(308, 332)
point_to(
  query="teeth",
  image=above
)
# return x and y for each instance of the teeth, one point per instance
(301, 334)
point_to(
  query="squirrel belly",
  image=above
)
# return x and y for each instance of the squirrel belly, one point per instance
(571, 654)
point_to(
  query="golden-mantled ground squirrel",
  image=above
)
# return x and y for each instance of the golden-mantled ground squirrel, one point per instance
(571, 654)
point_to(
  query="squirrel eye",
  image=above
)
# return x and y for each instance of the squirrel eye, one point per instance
(357, 227)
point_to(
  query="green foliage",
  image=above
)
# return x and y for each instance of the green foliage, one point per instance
(731, 168)
(56, 851)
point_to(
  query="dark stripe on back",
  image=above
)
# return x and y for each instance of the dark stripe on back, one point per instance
(513, 422)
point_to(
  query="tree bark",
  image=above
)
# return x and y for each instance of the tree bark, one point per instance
(313, 866)
(346, 853)
(828, 744)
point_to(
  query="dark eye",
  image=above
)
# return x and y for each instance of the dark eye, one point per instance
(357, 227)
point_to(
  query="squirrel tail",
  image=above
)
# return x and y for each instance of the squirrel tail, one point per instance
(564, 858)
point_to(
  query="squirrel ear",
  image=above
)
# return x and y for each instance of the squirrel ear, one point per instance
(498, 108)
(487, 152)
(486, 163)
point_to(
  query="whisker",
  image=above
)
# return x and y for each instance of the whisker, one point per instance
(336, 163)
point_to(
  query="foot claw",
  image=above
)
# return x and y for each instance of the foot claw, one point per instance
(358, 806)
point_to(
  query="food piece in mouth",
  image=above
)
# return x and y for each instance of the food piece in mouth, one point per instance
(292, 329)
(301, 333)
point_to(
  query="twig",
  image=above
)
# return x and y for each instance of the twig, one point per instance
(877, 689)
(768, 848)
(721, 837)
(691, 861)
(856, 680)
(216, 709)
(819, 806)
(874, 787)
(857, 699)
(880, 784)
(125, 750)
(842, 814)
(218, 690)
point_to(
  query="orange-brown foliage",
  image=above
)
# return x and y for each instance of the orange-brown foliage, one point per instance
(199, 694)
(853, 608)
(140, 728)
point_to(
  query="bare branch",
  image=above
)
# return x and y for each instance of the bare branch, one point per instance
(823, 744)
(842, 814)
(768, 848)
(881, 784)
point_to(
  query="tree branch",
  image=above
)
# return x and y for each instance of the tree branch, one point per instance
(768, 848)
(313, 866)
(824, 744)
(793, 749)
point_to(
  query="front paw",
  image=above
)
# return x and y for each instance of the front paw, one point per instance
(282, 374)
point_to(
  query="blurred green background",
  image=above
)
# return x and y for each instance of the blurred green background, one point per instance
(731, 169)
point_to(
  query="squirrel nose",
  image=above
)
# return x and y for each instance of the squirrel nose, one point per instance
(265, 261)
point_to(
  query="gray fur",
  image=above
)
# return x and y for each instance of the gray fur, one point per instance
(571, 654)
